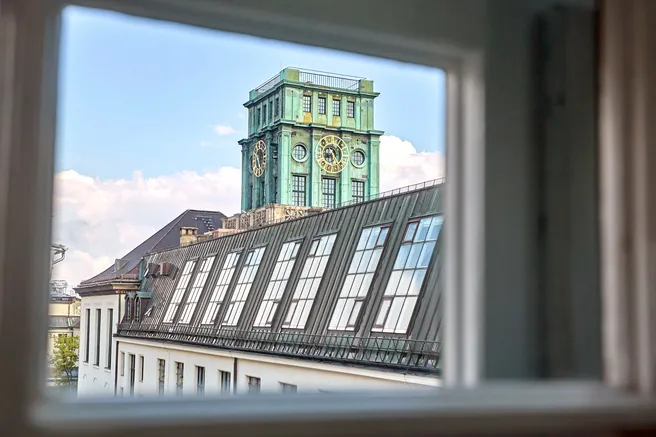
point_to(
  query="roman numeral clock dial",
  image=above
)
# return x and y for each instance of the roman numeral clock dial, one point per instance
(259, 158)
(332, 154)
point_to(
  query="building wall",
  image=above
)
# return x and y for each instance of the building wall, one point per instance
(98, 380)
(306, 375)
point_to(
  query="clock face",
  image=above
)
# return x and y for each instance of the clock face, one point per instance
(259, 158)
(332, 154)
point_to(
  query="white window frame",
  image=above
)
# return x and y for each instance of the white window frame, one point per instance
(460, 38)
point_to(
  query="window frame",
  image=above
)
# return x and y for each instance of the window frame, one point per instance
(306, 103)
(300, 177)
(31, 54)
(321, 105)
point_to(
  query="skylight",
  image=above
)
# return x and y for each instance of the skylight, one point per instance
(277, 284)
(246, 278)
(220, 288)
(359, 278)
(179, 291)
(408, 275)
(199, 282)
(308, 284)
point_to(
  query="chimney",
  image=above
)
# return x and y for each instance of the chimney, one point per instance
(188, 235)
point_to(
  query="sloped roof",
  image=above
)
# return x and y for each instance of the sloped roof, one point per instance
(63, 322)
(166, 238)
(319, 308)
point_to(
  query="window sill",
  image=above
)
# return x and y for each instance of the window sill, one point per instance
(496, 408)
(107, 369)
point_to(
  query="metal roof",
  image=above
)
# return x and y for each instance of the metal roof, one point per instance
(417, 349)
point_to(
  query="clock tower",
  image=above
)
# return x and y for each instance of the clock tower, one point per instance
(311, 141)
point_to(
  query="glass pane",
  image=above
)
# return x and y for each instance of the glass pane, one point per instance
(394, 313)
(371, 242)
(410, 231)
(406, 314)
(417, 280)
(404, 284)
(435, 227)
(402, 256)
(363, 238)
(415, 250)
(426, 253)
(382, 314)
(393, 283)
(356, 262)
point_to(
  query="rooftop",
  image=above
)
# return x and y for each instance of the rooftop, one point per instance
(310, 77)
(356, 285)
(167, 237)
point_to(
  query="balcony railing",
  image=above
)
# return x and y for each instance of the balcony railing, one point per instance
(329, 80)
(397, 353)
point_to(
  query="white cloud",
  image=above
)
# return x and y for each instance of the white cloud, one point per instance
(101, 220)
(224, 130)
(401, 164)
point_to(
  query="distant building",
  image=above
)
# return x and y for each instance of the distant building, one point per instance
(311, 141)
(104, 296)
(63, 313)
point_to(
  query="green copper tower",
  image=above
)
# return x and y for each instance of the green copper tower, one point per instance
(311, 141)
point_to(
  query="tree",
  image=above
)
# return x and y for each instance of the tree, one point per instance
(65, 357)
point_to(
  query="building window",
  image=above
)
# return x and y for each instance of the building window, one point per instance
(276, 112)
(270, 112)
(328, 192)
(288, 388)
(98, 326)
(298, 190)
(128, 309)
(358, 158)
(307, 103)
(200, 380)
(408, 274)
(110, 338)
(259, 117)
(350, 109)
(179, 378)
(243, 287)
(264, 112)
(219, 292)
(121, 364)
(197, 287)
(359, 278)
(141, 367)
(321, 105)
(179, 291)
(337, 107)
(253, 384)
(299, 152)
(277, 284)
(133, 373)
(357, 191)
(224, 378)
(87, 335)
(308, 284)
(161, 375)
(137, 310)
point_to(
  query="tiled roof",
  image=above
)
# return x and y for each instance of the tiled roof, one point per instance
(358, 284)
(166, 238)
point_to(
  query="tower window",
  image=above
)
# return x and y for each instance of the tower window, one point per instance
(357, 191)
(328, 192)
(350, 109)
(277, 108)
(337, 108)
(299, 152)
(321, 105)
(307, 103)
(264, 107)
(358, 158)
(270, 111)
(298, 190)
(259, 118)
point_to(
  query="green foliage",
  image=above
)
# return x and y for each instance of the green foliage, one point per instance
(65, 357)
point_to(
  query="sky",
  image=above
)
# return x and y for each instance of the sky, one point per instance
(150, 113)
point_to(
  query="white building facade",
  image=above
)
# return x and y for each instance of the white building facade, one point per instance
(98, 360)
(152, 368)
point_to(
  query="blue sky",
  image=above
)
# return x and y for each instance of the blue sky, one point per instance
(143, 95)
